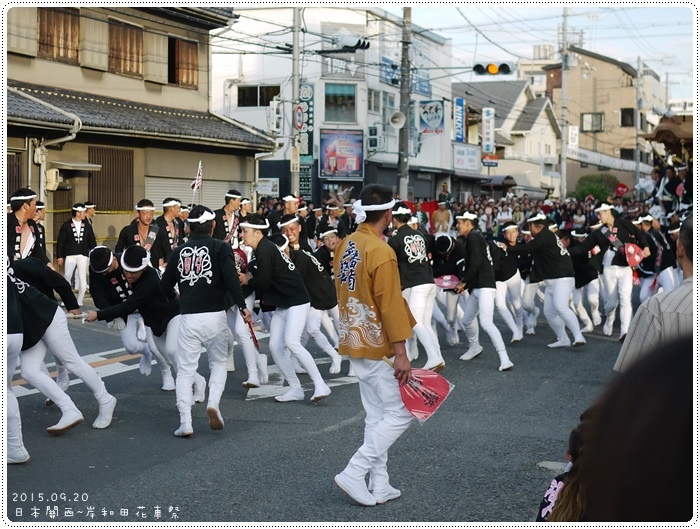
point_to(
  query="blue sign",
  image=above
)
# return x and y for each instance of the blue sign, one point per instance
(459, 119)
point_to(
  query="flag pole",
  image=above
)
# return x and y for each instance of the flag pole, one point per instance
(197, 184)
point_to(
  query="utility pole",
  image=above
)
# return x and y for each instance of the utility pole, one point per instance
(637, 125)
(405, 103)
(564, 127)
(294, 162)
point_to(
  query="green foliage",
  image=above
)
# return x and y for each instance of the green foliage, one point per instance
(601, 186)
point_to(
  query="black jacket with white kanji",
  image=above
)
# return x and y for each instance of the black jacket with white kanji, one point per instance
(160, 248)
(411, 251)
(109, 289)
(222, 228)
(45, 280)
(549, 256)
(205, 271)
(318, 283)
(279, 282)
(175, 237)
(14, 234)
(74, 240)
(478, 263)
(147, 298)
(622, 230)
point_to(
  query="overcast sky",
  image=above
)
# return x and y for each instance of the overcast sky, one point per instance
(664, 37)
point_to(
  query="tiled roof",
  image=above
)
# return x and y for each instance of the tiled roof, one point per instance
(500, 95)
(119, 116)
(528, 116)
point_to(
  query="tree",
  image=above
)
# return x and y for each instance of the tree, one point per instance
(601, 186)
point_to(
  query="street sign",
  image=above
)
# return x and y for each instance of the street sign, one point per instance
(298, 117)
(489, 160)
(488, 130)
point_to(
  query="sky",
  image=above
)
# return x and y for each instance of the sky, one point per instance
(663, 35)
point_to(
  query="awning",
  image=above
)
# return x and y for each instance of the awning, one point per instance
(75, 166)
(501, 180)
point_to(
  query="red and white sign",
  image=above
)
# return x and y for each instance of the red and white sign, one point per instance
(621, 189)
(298, 117)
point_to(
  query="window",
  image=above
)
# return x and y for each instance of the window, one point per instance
(627, 154)
(340, 103)
(59, 32)
(125, 49)
(374, 100)
(183, 62)
(389, 100)
(257, 96)
(627, 117)
(593, 122)
(112, 187)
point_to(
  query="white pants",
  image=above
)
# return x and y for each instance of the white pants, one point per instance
(286, 328)
(481, 301)
(79, 262)
(666, 279)
(421, 300)
(579, 309)
(313, 329)
(557, 293)
(511, 289)
(241, 332)
(58, 341)
(529, 293)
(208, 330)
(387, 418)
(618, 287)
(167, 343)
(330, 321)
(15, 442)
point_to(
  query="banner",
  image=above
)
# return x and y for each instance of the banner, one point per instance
(432, 117)
(341, 154)
(488, 130)
(458, 122)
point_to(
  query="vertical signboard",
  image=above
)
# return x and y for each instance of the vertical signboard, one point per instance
(488, 130)
(304, 123)
(458, 119)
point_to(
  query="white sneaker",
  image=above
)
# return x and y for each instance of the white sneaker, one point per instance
(356, 489)
(336, 360)
(104, 417)
(262, 368)
(386, 494)
(559, 343)
(472, 352)
(17, 456)
(291, 396)
(200, 387)
(168, 381)
(216, 421)
(320, 393)
(185, 430)
(505, 365)
(69, 420)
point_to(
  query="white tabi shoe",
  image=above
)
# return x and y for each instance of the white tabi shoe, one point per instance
(168, 381)
(15, 456)
(559, 343)
(320, 393)
(356, 489)
(216, 421)
(104, 418)
(200, 388)
(472, 352)
(336, 360)
(185, 430)
(291, 396)
(387, 494)
(69, 420)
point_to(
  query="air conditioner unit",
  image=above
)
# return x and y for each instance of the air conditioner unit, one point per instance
(375, 138)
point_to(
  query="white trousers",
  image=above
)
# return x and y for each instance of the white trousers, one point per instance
(387, 418)
(313, 329)
(79, 262)
(421, 300)
(666, 279)
(241, 332)
(481, 302)
(15, 442)
(208, 330)
(330, 321)
(511, 291)
(167, 343)
(557, 293)
(530, 291)
(132, 345)
(618, 287)
(58, 341)
(286, 328)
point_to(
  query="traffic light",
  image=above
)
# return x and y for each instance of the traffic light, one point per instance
(494, 68)
(353, 45)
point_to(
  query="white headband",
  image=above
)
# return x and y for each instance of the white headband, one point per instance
(413, 220)
(89, 205)
(41, 207)
(171, 203)
(290, 198)
(204, 217)
(676, 230)
(245, 201)
(80, 208)
(466, 216)
(322, 235)
(603, 207)
(361, 210)
(28, 197)
(143, 265)
(646, 218)
(111, 259)
(333, 207)
(401, 211)
(230, 195)
(536, 218)
(574, 233)
(290, 221)
(255, 226)
(511, 227)
(145, 208)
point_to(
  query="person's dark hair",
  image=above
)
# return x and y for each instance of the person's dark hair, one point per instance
(686, 237)
(74, 209)
(231, 192)
(144, 202)
(403, 217)
(16, 205)
(99, 258)
(39, 203)
(507, 224)
(133, 256)
(571, 502)
(443, 244)
(374, 194)
(259, 220)
(200, 227)
(278, 238)
(640, 450)
(165, 201)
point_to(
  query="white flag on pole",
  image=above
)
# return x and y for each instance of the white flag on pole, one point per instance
(197, 182)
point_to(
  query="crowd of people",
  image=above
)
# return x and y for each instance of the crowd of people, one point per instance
(195, 280)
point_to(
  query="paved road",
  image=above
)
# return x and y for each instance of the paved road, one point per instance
(481, 458)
